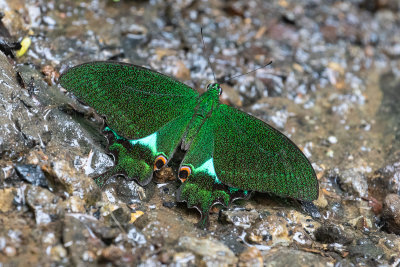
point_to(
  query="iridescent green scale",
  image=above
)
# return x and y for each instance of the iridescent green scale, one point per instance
(228, 153)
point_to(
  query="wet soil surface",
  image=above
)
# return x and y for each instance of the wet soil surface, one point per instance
(333, 88)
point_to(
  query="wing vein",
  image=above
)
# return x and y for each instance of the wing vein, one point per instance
(156, 94)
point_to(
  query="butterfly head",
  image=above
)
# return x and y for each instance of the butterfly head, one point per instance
(214, 87)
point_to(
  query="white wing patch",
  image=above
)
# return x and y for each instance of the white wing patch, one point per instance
(149, 141)
(208, 167)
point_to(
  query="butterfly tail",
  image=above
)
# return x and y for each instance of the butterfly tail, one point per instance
(102, 178)
(204, 221)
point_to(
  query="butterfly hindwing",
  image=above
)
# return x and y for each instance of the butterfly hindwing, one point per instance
(202, 189)
(135, 159)
(136, 101)
(252, 155)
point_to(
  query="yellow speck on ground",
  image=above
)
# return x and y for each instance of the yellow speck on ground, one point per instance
(25, 43)
(135, 215)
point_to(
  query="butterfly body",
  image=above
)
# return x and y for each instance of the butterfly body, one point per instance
(204, 108)
(227, 153)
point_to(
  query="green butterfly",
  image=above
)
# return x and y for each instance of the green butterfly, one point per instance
(153, 118)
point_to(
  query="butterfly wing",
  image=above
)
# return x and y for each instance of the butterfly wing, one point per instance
(251, 155)
(136, 101)
(136, 158)
(202, 189)
(146, 111)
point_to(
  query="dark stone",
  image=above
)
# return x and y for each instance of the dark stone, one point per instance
(311, 209)
(32, 174)
(96, 214)
(330, 233)
(20, 80)
(169, 204)
(391, 213)
(7, 47)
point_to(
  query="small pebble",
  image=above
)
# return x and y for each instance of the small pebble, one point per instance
(10, 251)
(332, 139)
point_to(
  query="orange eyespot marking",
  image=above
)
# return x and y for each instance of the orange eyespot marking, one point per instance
(184, 173)
(160, 161)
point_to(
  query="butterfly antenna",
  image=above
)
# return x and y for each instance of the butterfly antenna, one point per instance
(237, 76)
(208, 57)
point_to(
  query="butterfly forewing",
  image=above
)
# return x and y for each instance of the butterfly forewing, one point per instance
(135, 101)
(252, 155)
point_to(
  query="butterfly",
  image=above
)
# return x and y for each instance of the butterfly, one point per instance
(152, 119)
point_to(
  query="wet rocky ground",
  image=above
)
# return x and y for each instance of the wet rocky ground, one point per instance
(333, 88)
